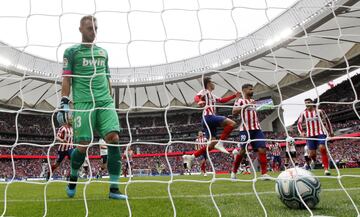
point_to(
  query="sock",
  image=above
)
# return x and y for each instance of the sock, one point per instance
(201, 151)
(236, 163)
(324, 158)
(263, 161)
(226, 132)
(203, 166)
(114, 165)
(77, 159)
(274, 166)
(53, 167)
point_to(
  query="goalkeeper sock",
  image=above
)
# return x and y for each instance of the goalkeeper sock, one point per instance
(114, 165)
(324, 158)
(77, 159)
(263, 163)
(226, 132)
(236, 163)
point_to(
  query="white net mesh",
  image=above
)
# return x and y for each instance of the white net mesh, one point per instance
(282, 49)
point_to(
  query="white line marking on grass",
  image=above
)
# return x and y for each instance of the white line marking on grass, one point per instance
(174, 196)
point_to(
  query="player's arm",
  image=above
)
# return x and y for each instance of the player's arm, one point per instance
(199, 99)
(299, 125)
(227, 99)
(237, 107)
(108, 74)
(327, 123)
(65, 87)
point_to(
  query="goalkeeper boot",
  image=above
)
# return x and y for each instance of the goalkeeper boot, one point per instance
(71, 187)
(220, 146)
(116, 194)
(188, 160)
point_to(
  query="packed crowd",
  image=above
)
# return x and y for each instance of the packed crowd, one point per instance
(346, 153)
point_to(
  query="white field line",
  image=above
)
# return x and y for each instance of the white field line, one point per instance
(174, 196)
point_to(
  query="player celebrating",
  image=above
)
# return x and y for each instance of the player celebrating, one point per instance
(130, 155)
(316, 132)
(65, 137)
(205, 98)
(249, 126)
(103, 155)
(276, 155)
(201, 143)
(94, 105)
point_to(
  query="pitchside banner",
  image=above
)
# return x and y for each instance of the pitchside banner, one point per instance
(264, 104)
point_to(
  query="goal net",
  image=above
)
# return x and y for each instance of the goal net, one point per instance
(159, 54)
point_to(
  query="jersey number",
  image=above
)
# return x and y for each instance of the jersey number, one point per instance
(78, 122)
(243, 138)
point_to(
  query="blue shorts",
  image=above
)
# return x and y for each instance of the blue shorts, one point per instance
(213, 121)
(254, 134)
(204, 156)
(313, 144)
(277, 159)
(63, 154)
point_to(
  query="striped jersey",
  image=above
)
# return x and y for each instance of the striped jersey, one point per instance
(130, 155)
(313, 124)
(210, 100)
(200, 142)
(65, 133)
(249, 118)
(275, 149)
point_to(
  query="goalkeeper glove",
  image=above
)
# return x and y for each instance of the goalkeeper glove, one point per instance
(63, 113)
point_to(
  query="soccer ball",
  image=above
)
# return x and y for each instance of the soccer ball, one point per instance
(308, 187)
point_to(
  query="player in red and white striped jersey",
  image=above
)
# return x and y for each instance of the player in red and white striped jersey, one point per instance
(249, 130)
(201, 143)
(129, 154)
(275, 150)
(205, 98)
(318, 127)
(65, 137)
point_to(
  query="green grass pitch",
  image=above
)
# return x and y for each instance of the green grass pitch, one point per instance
(190, 198)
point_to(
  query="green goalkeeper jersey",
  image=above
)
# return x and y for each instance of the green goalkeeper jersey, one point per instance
(79, 61)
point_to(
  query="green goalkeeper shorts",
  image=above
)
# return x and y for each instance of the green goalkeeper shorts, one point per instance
(103, 119)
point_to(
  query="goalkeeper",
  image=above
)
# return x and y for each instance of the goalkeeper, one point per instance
(86, 72)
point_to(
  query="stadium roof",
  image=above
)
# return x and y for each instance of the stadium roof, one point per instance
(306, 40)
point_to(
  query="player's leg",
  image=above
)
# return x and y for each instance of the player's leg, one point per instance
(312, 145)
(209, 133)
(260, 146)
(324, 155)
(82, 135)
(229, 126)
(237, 161)
(203, 165)
(307, 162)
(59, 159)
(238, 157)
(108, 127)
